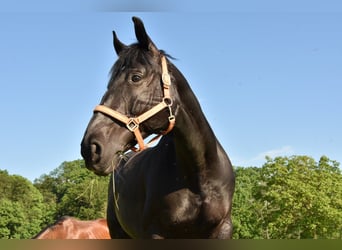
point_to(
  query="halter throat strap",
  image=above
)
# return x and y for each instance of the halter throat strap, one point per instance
(132, 123)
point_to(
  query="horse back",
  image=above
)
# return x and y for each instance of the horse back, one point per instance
(71, 228)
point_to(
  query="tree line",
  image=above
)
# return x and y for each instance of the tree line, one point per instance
(287, 198)
(69, 190)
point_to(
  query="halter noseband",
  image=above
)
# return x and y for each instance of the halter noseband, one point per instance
(132, 123)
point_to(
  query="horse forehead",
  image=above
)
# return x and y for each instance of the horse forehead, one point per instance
(135, 57)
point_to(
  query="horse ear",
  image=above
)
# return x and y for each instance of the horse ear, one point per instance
(143, 39)
(118, 46)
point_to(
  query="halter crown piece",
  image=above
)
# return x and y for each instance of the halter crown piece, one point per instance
(132, 123)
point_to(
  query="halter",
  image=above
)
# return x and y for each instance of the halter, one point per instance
(132, 123)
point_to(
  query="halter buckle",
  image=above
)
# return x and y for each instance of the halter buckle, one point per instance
(166, 79)
(132, 125)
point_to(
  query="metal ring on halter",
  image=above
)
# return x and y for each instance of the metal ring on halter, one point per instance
(168, 101)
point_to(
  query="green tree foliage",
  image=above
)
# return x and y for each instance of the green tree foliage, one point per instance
(11, 218)
(288, 197)
(21, 207)
(73, 190)
(300, 198)
(245, 214)
(70, 189)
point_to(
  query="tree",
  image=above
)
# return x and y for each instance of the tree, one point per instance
(288, 197)
(245, 214)
(21, 207)
(11, 219)
(73, 190)
(300, 198)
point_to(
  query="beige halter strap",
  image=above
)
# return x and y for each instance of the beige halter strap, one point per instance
(132, 123)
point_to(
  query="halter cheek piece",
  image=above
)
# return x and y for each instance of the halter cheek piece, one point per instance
(132, 123)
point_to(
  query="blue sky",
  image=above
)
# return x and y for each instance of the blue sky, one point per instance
(268, 76)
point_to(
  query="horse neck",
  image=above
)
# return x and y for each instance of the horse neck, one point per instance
(195, 141)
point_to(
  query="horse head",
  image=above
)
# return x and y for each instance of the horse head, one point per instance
(137, 103)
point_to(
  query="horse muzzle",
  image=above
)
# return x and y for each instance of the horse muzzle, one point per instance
(102, 154)
(92, 153)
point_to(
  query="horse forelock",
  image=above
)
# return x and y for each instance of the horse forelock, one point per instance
(133, 55)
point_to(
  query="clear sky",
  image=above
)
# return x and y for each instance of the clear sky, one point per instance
(268, 76)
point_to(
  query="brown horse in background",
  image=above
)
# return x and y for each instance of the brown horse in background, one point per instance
(72, 228)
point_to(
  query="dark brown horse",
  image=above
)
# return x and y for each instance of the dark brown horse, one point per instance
(71, 228)
(182, 187)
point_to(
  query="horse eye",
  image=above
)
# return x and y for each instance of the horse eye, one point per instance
(136, 78)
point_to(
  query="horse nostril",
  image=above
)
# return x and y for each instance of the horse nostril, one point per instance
(95, 150)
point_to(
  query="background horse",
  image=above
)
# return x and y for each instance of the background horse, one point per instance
(182, 187)
(71, 228)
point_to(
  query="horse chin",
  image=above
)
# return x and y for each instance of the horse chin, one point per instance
(102, 172)
(103, 168)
